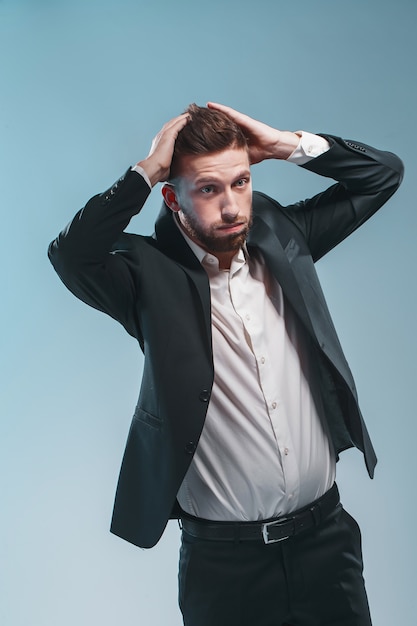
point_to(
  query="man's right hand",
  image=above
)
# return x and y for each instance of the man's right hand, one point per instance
(158, 162)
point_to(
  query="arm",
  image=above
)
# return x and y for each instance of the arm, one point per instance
(366, 179)
(83, 253)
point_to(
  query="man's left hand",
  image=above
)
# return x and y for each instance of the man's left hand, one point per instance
(264, 142)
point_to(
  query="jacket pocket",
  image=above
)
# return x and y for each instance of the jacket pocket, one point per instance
(147, 418)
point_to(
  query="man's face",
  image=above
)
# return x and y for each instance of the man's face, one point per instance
(214, 200)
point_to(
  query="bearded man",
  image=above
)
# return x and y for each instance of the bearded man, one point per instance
(246, 398)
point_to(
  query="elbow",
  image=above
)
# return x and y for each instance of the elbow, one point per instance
(61, 259)
(53, 253)
(396, 167)
(401, 170)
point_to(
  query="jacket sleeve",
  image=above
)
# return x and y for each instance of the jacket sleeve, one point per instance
(84, 253)
(366, 180)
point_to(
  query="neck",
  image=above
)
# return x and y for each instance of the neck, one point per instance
(224, 258)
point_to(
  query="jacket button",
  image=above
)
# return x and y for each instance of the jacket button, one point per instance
(190, 447)
(204, 395)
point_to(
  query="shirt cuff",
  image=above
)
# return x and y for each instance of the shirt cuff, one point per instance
(141, 171)
(310, 146)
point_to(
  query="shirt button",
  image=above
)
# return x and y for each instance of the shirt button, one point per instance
(247, 317)
(286, 451)
(274, 405)
(262, 360)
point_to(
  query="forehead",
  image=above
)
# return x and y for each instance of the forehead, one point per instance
(219, 165)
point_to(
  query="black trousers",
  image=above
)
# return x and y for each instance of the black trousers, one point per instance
(312, 579)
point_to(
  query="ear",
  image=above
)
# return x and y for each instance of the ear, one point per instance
(170, 197)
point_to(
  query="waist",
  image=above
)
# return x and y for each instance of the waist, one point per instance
(268, 531)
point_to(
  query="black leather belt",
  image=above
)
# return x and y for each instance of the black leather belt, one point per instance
(269, 531)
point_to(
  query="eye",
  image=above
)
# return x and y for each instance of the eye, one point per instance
(207, 189)
(241, 182)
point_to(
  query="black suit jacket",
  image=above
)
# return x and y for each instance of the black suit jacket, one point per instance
(158, 290)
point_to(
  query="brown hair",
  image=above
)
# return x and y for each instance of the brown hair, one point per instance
(207, 131)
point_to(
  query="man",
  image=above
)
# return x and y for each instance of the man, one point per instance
(246, 398)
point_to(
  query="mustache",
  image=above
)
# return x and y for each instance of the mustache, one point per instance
(234, 220)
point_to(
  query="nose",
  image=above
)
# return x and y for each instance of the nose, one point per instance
(229, 207)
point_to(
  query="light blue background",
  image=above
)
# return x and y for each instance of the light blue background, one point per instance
(85, 85)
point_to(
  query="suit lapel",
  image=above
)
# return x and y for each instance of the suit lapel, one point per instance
(301, 286)
(172, 243)
(277, 260)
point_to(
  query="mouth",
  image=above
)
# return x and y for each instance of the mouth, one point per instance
(231, 228)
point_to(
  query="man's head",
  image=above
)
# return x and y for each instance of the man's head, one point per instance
(206, 132)
(209, 185)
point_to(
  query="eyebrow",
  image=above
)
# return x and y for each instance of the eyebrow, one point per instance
(206, 180)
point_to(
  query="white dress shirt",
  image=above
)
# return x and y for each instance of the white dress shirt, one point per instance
(264, 450)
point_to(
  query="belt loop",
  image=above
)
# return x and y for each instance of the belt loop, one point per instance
(236, 534)
(316, 513)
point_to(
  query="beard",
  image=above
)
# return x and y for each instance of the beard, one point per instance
(212, 238)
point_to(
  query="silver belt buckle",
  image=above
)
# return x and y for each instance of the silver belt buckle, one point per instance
(265, 531)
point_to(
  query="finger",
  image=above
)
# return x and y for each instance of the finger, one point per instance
(168, 133)
(240, 118)
(177, 122)
(170, 130)
(225, 109)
